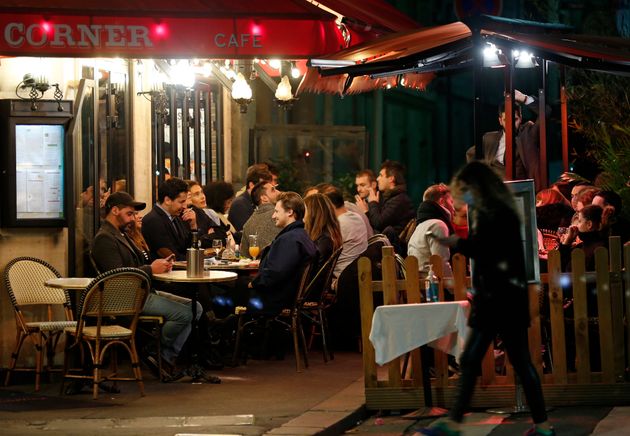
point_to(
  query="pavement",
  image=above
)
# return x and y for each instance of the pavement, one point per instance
(263, 397)
(259, 398)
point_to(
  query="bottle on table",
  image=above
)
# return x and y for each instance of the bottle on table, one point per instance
(432, 286)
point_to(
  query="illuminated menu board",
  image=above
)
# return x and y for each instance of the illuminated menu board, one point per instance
(39, 159)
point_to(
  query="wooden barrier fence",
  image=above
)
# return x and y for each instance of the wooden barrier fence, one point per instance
(564, 383)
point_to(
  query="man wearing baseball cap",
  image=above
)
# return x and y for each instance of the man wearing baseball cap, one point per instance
(112, 248)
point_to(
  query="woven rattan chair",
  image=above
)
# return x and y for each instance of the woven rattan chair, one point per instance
(24, 278)
(119, 293)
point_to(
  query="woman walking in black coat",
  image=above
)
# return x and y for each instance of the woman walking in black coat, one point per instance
(500, 302)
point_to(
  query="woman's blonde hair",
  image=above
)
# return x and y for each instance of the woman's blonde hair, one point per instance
(320, 218)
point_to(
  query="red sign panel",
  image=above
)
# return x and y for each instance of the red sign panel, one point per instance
(137, 37)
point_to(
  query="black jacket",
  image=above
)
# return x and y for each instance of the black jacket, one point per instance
(159, 232)
(204, 224)
(278, 275)
(394, 210)
(111, 249)
(499, 280)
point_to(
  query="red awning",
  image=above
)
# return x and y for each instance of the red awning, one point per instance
(386, 48)
(180, 29)
(411, 59)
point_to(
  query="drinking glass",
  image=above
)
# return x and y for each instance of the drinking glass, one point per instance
(217, 244)
(254, 249)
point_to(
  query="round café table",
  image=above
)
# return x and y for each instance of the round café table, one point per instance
(70, 283)
(195, 370)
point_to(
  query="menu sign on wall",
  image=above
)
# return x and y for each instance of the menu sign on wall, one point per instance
(39, 159)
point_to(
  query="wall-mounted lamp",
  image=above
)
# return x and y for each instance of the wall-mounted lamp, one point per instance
(295, 71)
(38, 88)
(493, 57)
(524, 59)
(284, 95)
(241, 92)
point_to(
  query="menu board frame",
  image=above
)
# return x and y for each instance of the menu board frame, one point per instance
(14, 113)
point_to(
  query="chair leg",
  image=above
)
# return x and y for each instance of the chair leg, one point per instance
(39, 359)
(324, 330)
(237, 340)
(19, 341)
(135, 365)
(64, 370)
(296, 347)
(301, 332)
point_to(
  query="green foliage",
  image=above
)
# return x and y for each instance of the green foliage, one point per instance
(345, 182)
(289, 175)
(600, 108)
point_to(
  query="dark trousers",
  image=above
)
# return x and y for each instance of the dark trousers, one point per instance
(516, 346)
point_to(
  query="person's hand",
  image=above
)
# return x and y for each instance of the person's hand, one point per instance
(190, 217)
(160, 266)
(105, 196)
(374, 195)
(519, 96)
(361, 203)
(569, 237)
(249, 285)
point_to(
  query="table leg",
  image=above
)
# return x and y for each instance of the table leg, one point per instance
(195, 370)
(428, 410)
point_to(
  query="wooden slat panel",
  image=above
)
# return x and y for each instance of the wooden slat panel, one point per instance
(390, 296)
(605, 315)
(438, 268)
(556, 316)
(580, 315)
(616, 301)
(413, 297)
(459, 276)
(366, 303)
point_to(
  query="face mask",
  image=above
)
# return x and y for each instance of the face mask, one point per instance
(467, 198)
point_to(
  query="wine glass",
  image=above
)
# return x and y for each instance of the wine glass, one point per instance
(217, 245)
(254, 249)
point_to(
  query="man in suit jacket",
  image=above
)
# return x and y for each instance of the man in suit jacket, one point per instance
(112, 248)
(167, 228)
(526, 140)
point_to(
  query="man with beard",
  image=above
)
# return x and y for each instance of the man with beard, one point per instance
(112, 248)
(433, 221)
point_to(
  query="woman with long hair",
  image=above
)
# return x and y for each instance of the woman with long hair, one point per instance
(134, 231)
(219, 196)
(322, 226)
(500, 304)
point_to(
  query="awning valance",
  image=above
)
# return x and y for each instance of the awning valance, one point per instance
(411, 58)
(182, 29)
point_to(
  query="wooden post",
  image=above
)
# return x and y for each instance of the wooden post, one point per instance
(413, 297)
(366, 303)
(459, 277)
(556, 317)
(605, 315)
(616, 300)
(390, 296)
(580, 315)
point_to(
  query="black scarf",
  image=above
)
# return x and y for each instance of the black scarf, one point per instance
(430, 210)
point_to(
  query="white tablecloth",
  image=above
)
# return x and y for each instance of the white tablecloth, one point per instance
(400, 328)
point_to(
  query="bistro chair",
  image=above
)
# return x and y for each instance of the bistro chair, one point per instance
(149, 326)
(318, 297)
(24, 278)
(119, 293)
(288, 318)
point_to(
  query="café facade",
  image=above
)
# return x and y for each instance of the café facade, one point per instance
(130, 91)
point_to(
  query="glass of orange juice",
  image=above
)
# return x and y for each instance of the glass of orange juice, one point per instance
(254, 248)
